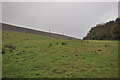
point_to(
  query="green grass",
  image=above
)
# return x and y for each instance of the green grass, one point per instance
(35, 56)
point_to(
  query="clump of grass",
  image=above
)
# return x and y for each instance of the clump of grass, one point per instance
(57, 43)
(25, 47)
(87, 41)
(76, 55)
(81, 40)
(64, 43)
(18, 53)
(3, 50)
(11, 50)
(105, 45)
(99, 50)
(10, 46)
(26, 39)
(23, 50)
(50, 44)
(83, 57)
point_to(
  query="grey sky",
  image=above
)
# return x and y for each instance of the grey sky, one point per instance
(71, 18)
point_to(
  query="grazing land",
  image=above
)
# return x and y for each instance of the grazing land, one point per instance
(33, 56)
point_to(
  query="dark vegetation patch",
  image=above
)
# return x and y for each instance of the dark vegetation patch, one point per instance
(50, 44)
(26, 39)
(11, 50)
(99, 50)
(83, 57)
(58, 71)
(3, 50)
(76, 55)
(28, 47)
(82, 41)
(57, 43)
(107, 45)
(23, 50)
(37, 74)
(63, 43)
(10, 45)
(87, 41)
(19, 53)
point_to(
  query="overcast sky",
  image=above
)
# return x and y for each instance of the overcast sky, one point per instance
(71, 18)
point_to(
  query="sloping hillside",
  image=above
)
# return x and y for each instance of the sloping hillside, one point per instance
(9, 27)
(106, 31)
(33, 56)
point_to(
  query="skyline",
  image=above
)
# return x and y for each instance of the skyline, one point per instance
(54, 16)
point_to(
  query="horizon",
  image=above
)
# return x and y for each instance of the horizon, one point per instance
(48, 30)
(78, 27)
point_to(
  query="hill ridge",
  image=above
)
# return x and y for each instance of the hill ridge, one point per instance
(10, 27)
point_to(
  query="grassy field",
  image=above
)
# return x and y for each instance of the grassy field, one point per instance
(34, 56)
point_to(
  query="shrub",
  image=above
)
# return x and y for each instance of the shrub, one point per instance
(63, 43)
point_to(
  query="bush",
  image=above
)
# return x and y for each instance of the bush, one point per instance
(63, 43)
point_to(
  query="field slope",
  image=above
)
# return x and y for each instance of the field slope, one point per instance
(33, 56)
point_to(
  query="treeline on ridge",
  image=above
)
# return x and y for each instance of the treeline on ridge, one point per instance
(106, 31)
